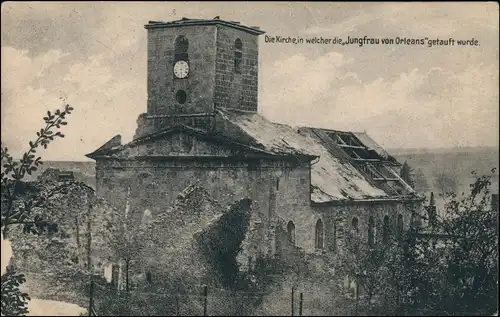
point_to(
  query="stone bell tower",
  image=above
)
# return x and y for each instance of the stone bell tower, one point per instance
(196, 66)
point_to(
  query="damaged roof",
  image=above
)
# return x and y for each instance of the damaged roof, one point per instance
(345, 166)
(331, 178)
(251, 127)
(227, 133)
(356, 170)
(371, 144)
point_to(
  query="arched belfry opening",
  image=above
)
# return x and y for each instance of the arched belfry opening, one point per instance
(181, 48)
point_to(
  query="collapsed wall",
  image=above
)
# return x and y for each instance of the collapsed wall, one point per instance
(221, 241)
(197, 240)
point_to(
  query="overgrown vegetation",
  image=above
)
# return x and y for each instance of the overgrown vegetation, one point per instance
(446, 184)
(193, 244)
(59, 264)
(17, 210)
(13, 173)
(470, 251)
(449, 267)
(199, 254)
(14, 301)
(221, 244)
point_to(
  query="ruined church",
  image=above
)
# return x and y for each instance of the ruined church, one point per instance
(202, 126)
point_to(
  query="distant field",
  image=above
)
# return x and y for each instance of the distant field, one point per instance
(457, 164)
(453, 165)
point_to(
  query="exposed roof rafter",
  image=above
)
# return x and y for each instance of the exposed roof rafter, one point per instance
(352, 146)
(366, 160)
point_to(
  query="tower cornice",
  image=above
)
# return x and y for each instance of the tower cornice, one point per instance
(185, 22)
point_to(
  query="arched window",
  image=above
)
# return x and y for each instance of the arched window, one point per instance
(181, 48)
(386, 229)
(400, 225)
(355, 226)
(238, 56)
(290, 228)
(238, 44)
(371, 231)
(319, 234)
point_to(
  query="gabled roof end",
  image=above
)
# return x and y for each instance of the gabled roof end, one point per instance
(115, 141)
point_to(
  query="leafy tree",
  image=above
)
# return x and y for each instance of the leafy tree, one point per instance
(15, 211)
(362, 264)
(446, 184)
(14, 301)
(57, 228)
(126, 240)
(471, 228)
(24, 211)
(374, 267)
(451, 267)
(413, 267)
(65, 258)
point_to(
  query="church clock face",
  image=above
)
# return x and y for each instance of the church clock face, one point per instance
(181, 69)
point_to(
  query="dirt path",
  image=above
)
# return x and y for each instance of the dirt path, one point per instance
(41, 307)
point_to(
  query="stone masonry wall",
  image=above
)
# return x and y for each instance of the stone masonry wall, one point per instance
(212, 80)
(277, 190)
(234, 90)
(338, 219)
(155, 185)
(199, 85)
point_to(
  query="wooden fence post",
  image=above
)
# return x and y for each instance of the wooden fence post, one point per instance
(357, 298)
(300, 304)
(205, 293)
(292, 300)
(177, 300)
(91, 300)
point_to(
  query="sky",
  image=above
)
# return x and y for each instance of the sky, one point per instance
(93, 56)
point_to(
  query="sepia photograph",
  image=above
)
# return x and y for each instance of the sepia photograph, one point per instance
(167, 158)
